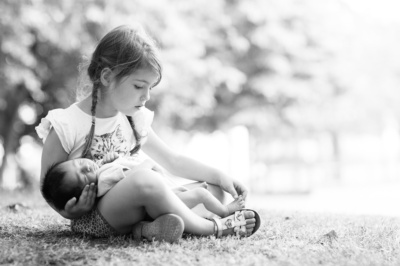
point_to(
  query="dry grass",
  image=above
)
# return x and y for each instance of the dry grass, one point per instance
(34, 234)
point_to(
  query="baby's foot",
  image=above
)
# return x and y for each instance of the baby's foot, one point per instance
(235, 205)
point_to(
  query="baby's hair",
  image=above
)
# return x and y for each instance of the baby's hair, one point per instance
(54, 190)
(123, 50)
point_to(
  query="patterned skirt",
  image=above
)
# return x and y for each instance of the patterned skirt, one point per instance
(93, 224)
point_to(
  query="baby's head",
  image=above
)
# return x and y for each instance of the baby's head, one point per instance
(66, 180)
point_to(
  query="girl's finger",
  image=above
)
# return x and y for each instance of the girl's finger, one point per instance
(71, 203)
(84, 194)
(232, 191)
(244, 194)
(92, 194)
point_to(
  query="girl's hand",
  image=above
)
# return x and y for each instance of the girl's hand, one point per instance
(110, 157)
(233, 187)
(75, 209)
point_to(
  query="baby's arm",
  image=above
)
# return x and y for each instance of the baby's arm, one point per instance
(110, 157)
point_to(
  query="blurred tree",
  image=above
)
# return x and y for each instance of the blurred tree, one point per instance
(40, 50)
(278, 66)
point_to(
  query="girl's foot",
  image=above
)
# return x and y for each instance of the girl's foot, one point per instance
(235, 205)
(242, 223)
(168, 228)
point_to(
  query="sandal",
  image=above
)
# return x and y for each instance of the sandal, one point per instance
(236, 221)
(167, 227)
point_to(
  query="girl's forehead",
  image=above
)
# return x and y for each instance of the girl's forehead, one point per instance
(146, 75)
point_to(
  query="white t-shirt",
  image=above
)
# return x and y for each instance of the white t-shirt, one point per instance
(113, 134)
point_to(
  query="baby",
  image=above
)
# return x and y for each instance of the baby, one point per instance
(66, 180)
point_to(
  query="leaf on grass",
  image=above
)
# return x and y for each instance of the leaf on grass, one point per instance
(328, 238)
(16, 207)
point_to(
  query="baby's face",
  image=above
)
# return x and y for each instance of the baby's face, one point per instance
(81, 171)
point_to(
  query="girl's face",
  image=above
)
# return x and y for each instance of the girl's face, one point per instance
(132, 92)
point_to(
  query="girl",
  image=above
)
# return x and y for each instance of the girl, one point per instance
(123, 69)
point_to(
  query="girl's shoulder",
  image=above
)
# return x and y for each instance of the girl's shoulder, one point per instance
(62, 120)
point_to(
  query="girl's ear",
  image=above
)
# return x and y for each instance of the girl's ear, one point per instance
(106, 76)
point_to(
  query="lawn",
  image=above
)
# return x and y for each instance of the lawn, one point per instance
(33, 234)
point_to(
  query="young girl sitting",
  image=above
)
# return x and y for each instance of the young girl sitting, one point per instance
(123, 70)
(66, 180)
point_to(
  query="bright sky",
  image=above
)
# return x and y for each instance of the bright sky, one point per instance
(386, 11)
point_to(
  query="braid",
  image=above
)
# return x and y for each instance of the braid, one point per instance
(86, 151)
(137, 136)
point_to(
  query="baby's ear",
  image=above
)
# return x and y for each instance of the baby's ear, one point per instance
(106, 76)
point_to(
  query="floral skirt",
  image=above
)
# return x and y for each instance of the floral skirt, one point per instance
(93, 224)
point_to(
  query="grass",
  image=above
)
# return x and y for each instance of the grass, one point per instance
(33, 234)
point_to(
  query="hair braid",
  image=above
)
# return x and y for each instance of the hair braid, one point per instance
(138, 137)
(86, 151)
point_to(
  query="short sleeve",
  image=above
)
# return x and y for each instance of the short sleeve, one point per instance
(63, 126)
(143, 120)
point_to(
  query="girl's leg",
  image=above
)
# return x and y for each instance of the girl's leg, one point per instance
(144, 191)
(216, 191)
(200, 195)
(190, 197)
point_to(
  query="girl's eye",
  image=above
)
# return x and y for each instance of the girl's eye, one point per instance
(138, 87)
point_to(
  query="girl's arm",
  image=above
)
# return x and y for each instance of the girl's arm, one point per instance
(189, 168)
(53, 153)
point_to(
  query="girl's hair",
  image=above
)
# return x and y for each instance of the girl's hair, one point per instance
(123, 50)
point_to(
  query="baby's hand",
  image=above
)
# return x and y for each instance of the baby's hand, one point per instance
(110, 157)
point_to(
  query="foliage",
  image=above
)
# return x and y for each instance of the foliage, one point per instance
(35, 234)
(278, 67)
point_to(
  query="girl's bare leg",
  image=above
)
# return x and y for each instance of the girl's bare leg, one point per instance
(216, 191)
(200, 195)
(144, 191)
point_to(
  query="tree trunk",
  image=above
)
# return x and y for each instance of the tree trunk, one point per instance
(11, 124)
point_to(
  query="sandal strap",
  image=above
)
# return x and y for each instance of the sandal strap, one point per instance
(240, 223)
(218, 227)
(236, 221)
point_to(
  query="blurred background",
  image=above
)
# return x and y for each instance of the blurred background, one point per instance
(299, 99)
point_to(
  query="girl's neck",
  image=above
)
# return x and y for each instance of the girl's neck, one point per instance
(102, 109)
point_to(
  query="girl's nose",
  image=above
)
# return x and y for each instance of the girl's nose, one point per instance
(146, 96)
